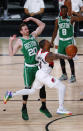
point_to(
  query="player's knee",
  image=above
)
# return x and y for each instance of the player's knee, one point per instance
(62, 86)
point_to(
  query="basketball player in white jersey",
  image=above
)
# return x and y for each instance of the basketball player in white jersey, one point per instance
(43, 77)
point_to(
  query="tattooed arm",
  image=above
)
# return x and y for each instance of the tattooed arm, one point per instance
(51, 57)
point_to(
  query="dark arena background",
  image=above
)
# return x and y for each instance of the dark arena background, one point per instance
(11, 75)
(15, 11)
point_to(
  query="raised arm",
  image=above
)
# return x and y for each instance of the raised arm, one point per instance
(16, 47)
(40, 27)
(69, 6)
(76, 18)
(55, 31)
(51, 57)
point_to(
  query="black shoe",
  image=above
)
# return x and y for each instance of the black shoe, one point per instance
(25, 114)
(46, 112)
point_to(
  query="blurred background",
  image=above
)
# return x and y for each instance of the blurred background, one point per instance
(12, 13)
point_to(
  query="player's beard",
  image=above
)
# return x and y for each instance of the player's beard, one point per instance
(27, 33)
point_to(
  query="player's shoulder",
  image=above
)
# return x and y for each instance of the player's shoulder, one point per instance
(19, 39)
(58, 17)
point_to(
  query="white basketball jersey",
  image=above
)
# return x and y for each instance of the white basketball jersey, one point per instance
(43, 65)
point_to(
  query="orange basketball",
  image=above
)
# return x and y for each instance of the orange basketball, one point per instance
(71, 50)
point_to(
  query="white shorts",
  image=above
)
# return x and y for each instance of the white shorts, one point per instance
(46, 79)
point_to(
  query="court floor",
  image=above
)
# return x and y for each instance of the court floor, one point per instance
(11, 78)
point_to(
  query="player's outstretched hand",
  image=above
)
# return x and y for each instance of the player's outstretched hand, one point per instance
(12, 38)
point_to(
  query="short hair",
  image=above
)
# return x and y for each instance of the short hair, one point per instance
(21, 25)
(64, 6)
(42, 43)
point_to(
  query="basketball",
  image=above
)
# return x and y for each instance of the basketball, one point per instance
(71, 50)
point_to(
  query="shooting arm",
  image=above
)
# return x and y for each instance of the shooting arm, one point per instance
(51, 57)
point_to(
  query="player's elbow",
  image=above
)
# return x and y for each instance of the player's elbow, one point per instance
(32, 91)
(43, 26)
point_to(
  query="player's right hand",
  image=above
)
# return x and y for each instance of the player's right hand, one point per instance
(70, 57)
(12, 38)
